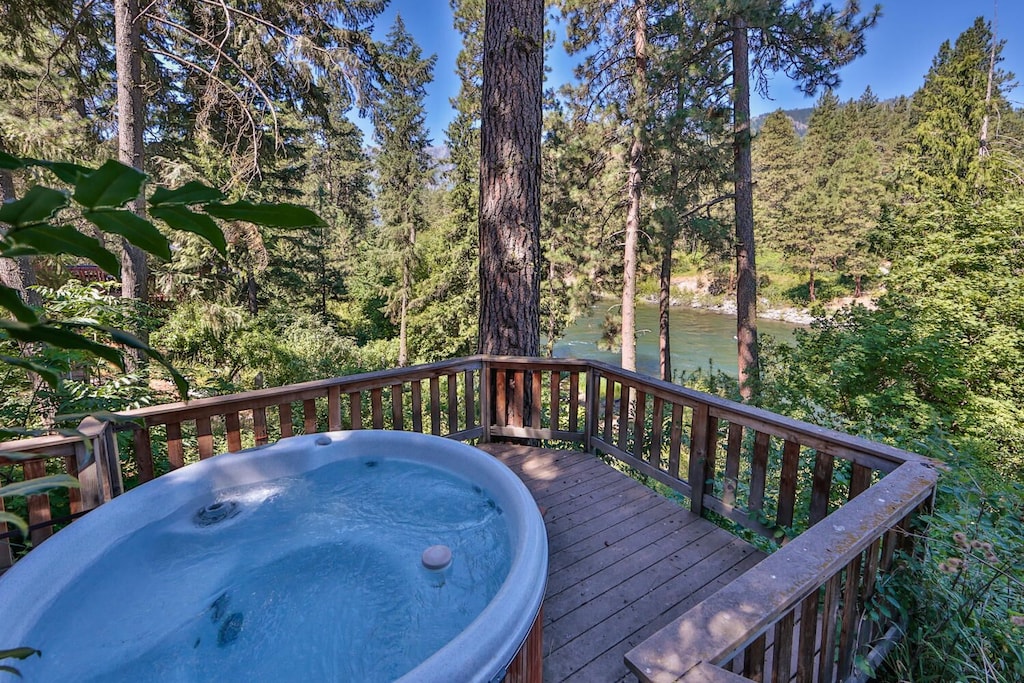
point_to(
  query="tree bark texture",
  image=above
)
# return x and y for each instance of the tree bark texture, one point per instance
(130, 124)
(19, 274)
(746, 270)
(664, 301)
(510, 135)
(633, 188)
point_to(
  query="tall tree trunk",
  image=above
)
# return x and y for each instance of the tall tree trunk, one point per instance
(403, 328)
(746, 270)
(130, 124)
(636, 152)
(252, 292)
(664, 301)
(509, 212)
(810, 286)
(19, 273)
(858, 288)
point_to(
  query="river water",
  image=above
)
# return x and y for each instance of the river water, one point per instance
(698, 338)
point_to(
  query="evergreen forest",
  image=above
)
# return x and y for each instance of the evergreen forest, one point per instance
(899, 224)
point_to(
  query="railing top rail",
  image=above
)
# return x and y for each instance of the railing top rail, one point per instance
(51, 445)
(289, 392)
(738, 613)
(811, 434)
(731, 410)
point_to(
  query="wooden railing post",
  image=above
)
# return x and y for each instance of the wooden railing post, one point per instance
(591, 406)
(97, 482)
(486, 390)
(698, 457)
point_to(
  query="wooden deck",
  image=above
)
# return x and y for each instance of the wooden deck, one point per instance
(624, 561)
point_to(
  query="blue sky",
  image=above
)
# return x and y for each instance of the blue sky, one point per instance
(899, 51)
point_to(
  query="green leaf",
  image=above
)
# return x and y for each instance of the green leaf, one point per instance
(20, 525)
(64, 239)
(9, 163)
(19, 653)
(111, 185)
(69, 173)
(189, 193)
(862, 663)
(49, 374)
(32, 487)
(180, 218)
(136, 230)
(38, 205)
(59, 338)
(271, 215)
(11, 300)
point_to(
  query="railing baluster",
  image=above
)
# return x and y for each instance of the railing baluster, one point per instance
(355, 408)
(808, 639)
(470, 391)
(657, 425)
(397, 409)
(143, 454)
(204, 432)
(829, 614)
(783, 647)
(333, 409)
(609, 402)
(758, 472)
(848, 632)
(590, 407)
(787, 483)
(416, 390)
(39, 504)
(453, 404)
(821, 488)
(732, 463)
(6, 556)
(638, 425)
(284, 419)
(175, 449)
(860, 480)
(675, 443)
(259, 426)
(377, 408)
(75, 494)
(518, 398)
(574, 400)
(309, 416)
(623, 415)
(698, 457)
(554, 400)
(535, 399)
(753, 659)
(233, 429)
(500, 398)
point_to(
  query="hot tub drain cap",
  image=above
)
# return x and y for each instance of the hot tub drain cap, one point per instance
(437, 557)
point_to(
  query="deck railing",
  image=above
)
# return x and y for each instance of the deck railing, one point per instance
(839, 506)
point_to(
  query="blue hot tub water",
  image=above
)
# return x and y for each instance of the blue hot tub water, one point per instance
(311, 577)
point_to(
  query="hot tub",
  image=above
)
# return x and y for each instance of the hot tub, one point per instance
(363, 556)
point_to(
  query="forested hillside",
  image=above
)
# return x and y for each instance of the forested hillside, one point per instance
(914, 206)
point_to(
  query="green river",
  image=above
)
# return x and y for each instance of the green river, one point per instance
(698, 337)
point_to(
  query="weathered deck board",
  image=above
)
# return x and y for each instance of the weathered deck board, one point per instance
(624, 561)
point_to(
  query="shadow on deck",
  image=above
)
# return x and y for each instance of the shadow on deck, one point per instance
(624, 561)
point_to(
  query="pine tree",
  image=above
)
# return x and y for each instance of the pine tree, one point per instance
(510, 165)
(948, 113)
(445, 322)
(403, 165)
(777, 174)
(808, 43)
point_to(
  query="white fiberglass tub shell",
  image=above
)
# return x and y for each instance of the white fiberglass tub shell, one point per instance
(480, 652)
